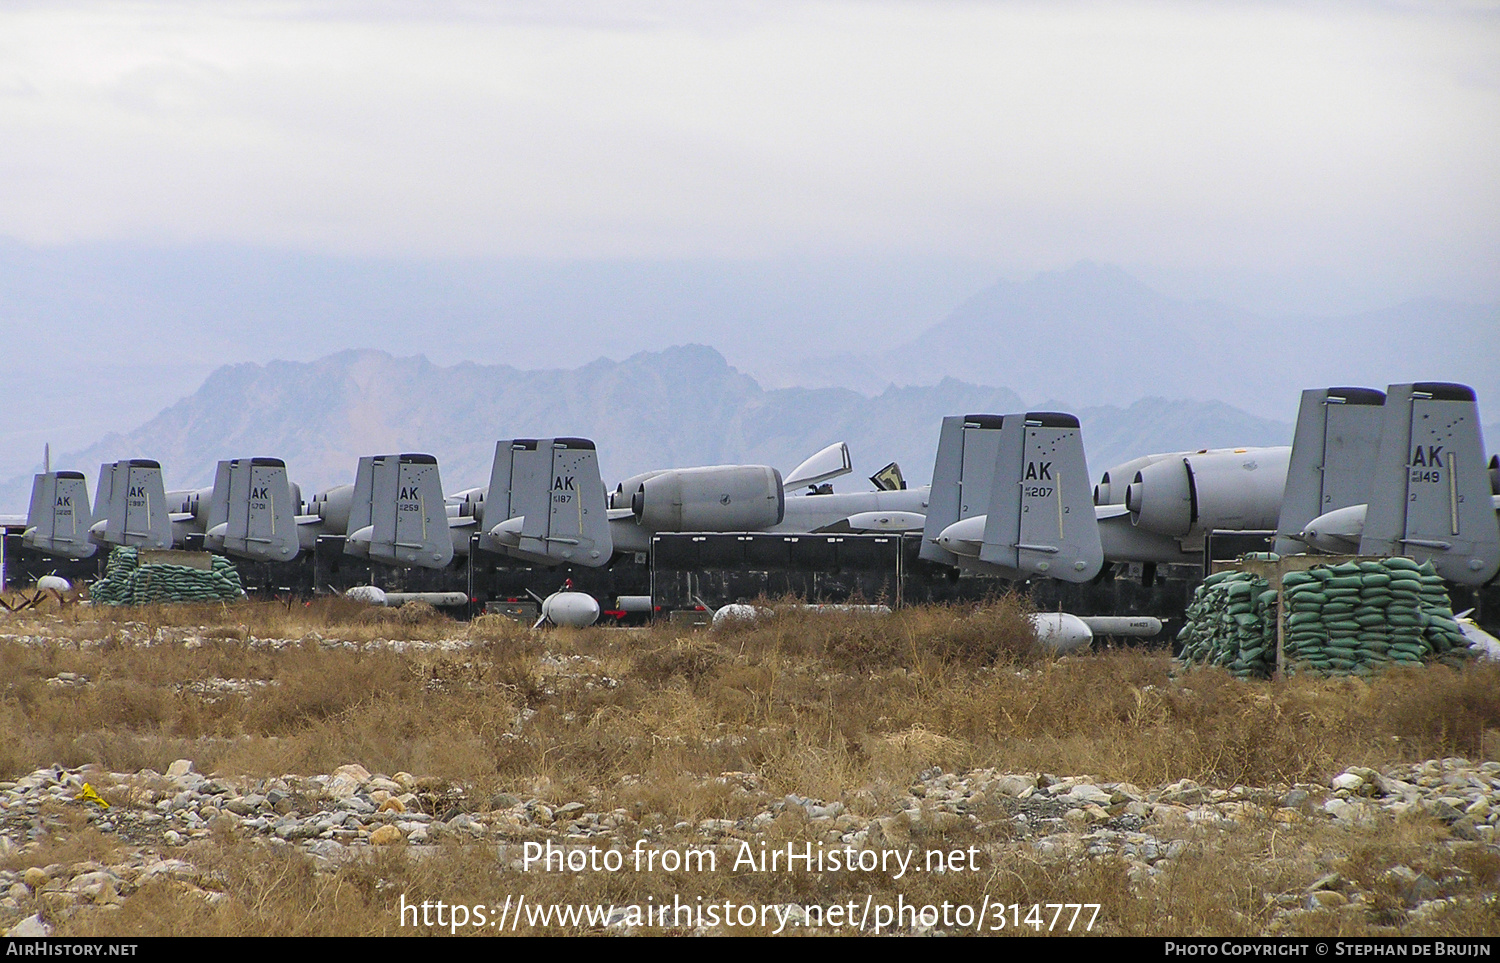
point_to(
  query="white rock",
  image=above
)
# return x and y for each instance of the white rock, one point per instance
(1085, 793)
(31, 926)
(1349, 781)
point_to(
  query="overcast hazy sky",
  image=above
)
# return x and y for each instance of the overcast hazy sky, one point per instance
(1358, 138)
(1319, 156)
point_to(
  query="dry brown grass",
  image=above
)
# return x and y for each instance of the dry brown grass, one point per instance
(834, 706)
(816, 702)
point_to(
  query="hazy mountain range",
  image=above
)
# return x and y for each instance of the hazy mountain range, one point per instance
(680, 407)
(813, 358)
(1095, 335)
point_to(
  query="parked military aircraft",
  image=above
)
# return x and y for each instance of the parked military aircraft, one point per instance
(1010, 497)
(1350, 452)
(1421, 489)
(541, 504)
(58, 520)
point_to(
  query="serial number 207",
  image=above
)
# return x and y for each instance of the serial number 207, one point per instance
(1035, 492)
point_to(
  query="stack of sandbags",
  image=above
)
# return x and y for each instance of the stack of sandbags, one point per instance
(1359, 616)
(127, 582)
(1231, 622)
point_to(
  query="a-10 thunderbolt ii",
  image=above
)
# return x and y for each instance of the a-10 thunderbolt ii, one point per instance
(1400, 472)
(1408, 477)
(1009, 497)
(544, 502)
(393, 513)
(248, 513)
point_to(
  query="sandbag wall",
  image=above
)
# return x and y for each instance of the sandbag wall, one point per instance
(1353, 617)
(127, 582)
(1231, 622)
(1358, 616)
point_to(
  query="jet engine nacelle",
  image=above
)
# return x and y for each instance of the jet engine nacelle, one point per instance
(1235, 490)
(626, 490)
(332, 507)
(722, 498)
(1114, 482)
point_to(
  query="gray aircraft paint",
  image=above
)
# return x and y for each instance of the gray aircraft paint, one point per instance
(1040, 518)
(1175, 500)
(961, 473)
(552, 486)
(1124, 542)
(833, 512)
(359, 515)
(102, 497)
(136, 513)
(1333, 455)
(260, 515)
(59, 517)
(411, 525)
(1430, 497)
(216, 525)
(397, 514)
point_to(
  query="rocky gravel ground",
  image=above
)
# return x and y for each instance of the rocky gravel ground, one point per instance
(162, 820)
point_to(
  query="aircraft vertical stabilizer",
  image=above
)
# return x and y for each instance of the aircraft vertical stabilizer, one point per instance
(961, 476)
(408, 512)
(359, 528)
(397, 514)
(217, 522)
(58, 519)
(259, 513)
(546, 503)
(1430, 497)
(136, 510)
(1040, 517)
(1332, 459)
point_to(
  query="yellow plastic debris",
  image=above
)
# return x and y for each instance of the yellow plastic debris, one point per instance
(88, 795)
